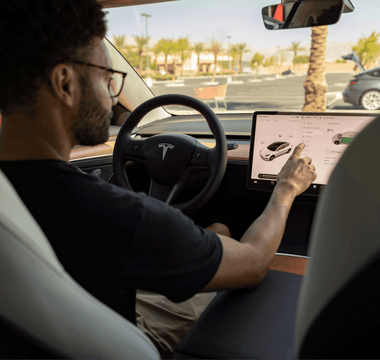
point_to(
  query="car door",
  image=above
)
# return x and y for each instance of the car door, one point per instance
(280, 150)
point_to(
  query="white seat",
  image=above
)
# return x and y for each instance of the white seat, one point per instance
(41, 300)
(334, 312)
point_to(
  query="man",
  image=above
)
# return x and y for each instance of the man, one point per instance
(55, 93)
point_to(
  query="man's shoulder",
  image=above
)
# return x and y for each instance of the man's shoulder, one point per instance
(61, 179)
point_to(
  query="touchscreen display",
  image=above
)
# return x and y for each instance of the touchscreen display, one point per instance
(275, 135)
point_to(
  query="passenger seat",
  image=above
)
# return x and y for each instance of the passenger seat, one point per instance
(44, 313)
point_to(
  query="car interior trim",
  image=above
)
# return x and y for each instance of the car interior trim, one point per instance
(91, 151)
(105, 149)
(289, 264)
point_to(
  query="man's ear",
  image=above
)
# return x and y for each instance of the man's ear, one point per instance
(64, 83)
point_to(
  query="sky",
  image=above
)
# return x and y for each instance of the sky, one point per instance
(202, 20)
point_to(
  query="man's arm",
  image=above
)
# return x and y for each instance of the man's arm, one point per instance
(244, 264)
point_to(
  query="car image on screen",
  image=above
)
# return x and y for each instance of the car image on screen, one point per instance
(344, 138)
(275, 149)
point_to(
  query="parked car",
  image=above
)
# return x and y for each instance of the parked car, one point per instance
(275, 149)
(364, 90)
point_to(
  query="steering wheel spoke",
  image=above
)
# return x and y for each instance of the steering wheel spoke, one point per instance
(160, 191)
(134, 151)
(200, 157)
(168, 193)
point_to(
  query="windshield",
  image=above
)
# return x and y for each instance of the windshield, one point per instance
(274, 146)
(222, 54)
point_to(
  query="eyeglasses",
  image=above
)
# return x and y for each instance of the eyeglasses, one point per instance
(117, 81)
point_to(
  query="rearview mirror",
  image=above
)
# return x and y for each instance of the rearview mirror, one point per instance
(301, 14)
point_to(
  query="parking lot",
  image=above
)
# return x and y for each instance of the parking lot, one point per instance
(268, 92)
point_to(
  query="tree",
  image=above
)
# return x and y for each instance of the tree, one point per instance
(119, 41)
(175, 51)
(368, 49)
(140, 42)
(127, 51)
(241, 49)
(165, 46)
(215, 48)
(269, 61)
(183, 46)
(315, 84)
(279, 58)
(234, 52)
(198, 48)
(295, 48)
(301, 59)
(156, 51)
(256, 61)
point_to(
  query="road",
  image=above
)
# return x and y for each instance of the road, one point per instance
(265, 93)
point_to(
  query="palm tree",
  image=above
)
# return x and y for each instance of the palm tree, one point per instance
(256, 61)
(198, 48)
(368, 49)
(155, 51)
(119, 41)
(165, 46)
(127, 51)
(215, 48)
(315, 84)
(295, 48)
(140, 42)
(234, 52)
(183, 46)
(175, 51)
(241, 48)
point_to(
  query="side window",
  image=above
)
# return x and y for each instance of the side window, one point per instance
(375, 73)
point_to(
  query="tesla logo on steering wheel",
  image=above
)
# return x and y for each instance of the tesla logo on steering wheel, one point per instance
(165, 148)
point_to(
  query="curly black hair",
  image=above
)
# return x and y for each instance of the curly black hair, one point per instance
(35, 36)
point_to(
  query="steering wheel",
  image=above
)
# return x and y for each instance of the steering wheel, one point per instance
(172, 158)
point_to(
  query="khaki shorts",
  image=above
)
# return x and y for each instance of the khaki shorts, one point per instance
(165, 322)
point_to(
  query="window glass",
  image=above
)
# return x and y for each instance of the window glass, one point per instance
(222, 54)
(375, 73)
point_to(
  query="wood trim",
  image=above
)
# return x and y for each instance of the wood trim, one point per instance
(83, 152)
(241, 153)
(289, 264)
(90, 151)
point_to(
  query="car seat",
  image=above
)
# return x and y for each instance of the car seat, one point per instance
(44, 313)
(338, 307)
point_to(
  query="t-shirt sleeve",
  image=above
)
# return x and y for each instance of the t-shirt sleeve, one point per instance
(172, 255)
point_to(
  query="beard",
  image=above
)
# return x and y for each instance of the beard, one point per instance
(91, 127)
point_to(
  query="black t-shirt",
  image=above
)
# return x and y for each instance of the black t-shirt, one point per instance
(113, 241)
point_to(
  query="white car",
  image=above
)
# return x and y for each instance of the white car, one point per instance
(275, 149)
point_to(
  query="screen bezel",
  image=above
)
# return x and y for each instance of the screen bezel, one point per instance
(268, 185)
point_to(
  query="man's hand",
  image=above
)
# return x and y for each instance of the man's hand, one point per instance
(297, 173)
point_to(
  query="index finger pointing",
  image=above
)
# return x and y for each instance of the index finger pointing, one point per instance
(297, 151)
